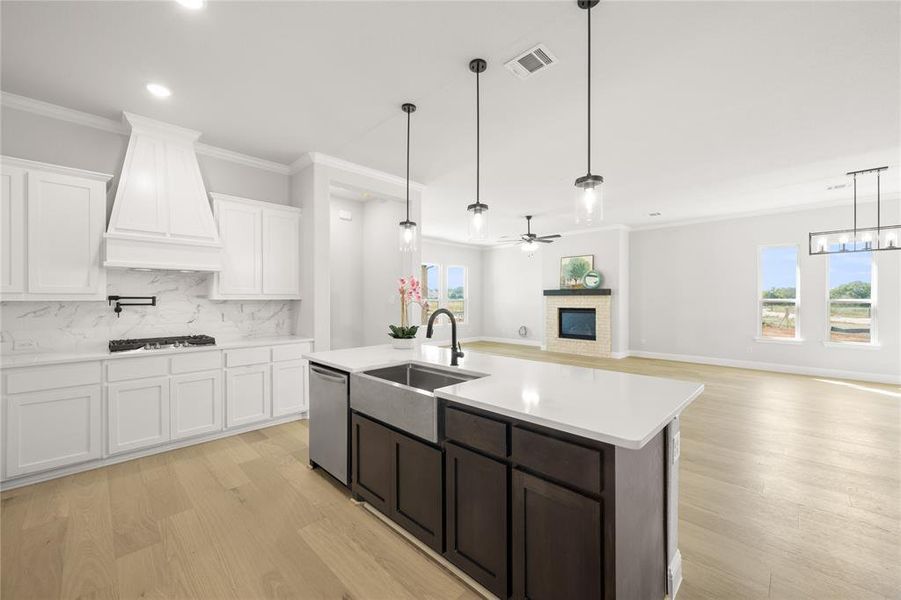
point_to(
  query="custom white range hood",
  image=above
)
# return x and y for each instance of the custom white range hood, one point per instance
(161, 216)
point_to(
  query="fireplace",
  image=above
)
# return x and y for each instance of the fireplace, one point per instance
(576, 323)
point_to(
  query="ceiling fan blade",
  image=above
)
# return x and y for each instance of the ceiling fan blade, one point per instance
(548, 237)
(543, 241)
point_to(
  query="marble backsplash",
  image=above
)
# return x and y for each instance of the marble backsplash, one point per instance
(182, 309)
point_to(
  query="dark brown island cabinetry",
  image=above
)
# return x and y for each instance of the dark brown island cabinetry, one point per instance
(400, 476)
(536, 513)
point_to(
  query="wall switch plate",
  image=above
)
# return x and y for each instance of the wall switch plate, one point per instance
(24, 345)
(677, 446)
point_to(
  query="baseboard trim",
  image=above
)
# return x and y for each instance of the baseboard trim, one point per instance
(777, 367)
(115, 459)
(674, 575)
(517, 341)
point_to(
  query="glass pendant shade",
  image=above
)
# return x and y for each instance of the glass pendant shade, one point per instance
(478, 221)
(407, 236)
(589, 200)
(530, 247)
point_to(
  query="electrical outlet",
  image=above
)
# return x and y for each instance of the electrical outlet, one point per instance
(677, 446)
(24, 345)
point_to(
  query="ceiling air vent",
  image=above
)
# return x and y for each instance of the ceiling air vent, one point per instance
(530, 62)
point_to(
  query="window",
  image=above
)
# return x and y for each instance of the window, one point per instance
(456, 292)
(851, 298)
(777, 314)
(431, 283)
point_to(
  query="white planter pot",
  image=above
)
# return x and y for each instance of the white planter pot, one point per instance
(402, 344)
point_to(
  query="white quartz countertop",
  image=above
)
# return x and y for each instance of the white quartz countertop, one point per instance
(608, 406)
(25, 359)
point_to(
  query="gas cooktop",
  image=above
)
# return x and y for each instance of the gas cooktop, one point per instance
(160, 343)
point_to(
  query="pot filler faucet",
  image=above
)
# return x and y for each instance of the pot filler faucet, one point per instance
(456, 349)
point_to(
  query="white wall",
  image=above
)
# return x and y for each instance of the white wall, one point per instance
(450, 254)
(694, 294)
(512, 282)
(383, 264)
(346, 251)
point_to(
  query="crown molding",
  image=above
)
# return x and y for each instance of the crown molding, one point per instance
(77, 117)
(318, 158)
(446, 242)
(22, 163)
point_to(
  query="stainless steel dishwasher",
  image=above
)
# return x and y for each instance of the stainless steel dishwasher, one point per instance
(329, 412)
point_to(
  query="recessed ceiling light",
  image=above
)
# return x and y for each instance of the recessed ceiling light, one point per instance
(192, 4)
(654, 214)
(160, 91)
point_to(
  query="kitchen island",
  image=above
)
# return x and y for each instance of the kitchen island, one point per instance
(535, 479)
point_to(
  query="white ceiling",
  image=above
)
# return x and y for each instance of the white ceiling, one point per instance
(700, 109)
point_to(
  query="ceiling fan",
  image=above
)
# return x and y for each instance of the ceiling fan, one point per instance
(529, 241)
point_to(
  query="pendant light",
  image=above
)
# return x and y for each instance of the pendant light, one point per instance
(408, 227)
(478, 212)
(858, 239)
(589, 196)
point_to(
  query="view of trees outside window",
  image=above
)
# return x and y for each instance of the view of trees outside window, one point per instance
(850, 297)
(431, 281)
(456, 292)
(778, 300)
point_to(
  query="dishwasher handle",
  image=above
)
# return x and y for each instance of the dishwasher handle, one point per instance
(330, 376)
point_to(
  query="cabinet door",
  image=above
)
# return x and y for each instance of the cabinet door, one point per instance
(416, 500)
(138, 413)
(372, 459)
(12, 230)
(248, 395)
(66, 220)
(242, 257)
(281, 253)
(476, 489)
(196, 400)
(53, 428)
(557, 541)
(288, 390)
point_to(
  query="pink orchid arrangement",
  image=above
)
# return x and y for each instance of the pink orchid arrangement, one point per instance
(410, 290)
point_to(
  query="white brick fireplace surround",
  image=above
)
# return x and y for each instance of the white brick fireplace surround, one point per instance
(579, 299)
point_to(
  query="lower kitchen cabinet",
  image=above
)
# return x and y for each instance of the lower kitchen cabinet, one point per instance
(248, 394)
(372, 462)
(476, 490)
(52, 428)
(196, 400)
(288, 390)
(557, 549)
(400, 476)
(138, 413)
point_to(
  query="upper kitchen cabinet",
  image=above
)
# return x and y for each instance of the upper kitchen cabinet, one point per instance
(53, 219)
(261, 250)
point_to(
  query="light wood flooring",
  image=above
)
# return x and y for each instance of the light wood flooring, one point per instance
(790, 488)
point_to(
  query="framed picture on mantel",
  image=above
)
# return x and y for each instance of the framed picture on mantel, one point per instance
(573, 269)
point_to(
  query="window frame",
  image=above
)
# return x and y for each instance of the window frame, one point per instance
(872, 301)
(425, 286)
(446, 295)
(796, 301)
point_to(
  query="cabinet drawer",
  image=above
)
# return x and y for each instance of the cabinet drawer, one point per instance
(193, 362)
(247, 356)
(569, 463)
(136, 368)
(476, 432)
(290, 351)
(34, 379)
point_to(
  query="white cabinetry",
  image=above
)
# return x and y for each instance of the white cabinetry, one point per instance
(138, 413)
(53, 224)
(52, 428)
(248, 394)
(196, 400)
(261, 256)
(288, 393)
